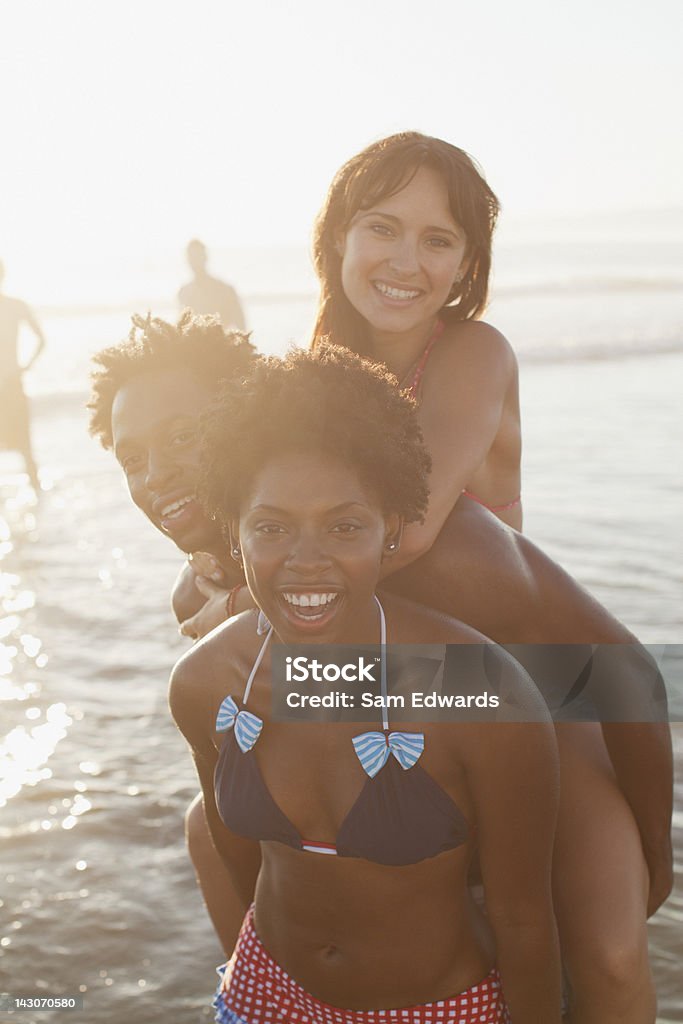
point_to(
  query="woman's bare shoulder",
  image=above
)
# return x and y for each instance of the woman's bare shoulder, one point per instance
(214, 664)
(476, 341)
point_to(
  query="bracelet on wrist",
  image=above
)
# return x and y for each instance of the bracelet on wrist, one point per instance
(232, 598)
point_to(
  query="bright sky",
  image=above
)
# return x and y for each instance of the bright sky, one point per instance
(129, 127)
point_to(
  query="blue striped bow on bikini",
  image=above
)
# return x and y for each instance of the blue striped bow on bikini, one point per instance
(373, 749)
(247, 726)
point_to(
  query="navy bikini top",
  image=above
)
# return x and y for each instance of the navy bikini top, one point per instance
(401, 816)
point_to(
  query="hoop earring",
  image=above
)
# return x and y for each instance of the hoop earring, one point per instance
(456, 288)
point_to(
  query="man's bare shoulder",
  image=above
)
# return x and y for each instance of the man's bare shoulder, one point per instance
(12, 312)
(411, 623)
(8, 302)
(472, 660)
(186, 294)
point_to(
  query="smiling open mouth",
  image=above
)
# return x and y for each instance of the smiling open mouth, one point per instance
(174, 508)
(311, 606)
(179, 514)
(395, 293)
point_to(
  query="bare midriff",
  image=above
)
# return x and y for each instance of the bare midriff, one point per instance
(361, 935)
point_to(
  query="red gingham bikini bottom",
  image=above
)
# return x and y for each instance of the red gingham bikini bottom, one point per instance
(255, 990)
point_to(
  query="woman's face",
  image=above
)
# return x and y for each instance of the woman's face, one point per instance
(401, 257)
(312, 539)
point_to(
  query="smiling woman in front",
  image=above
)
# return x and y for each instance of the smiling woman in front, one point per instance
(328, 466)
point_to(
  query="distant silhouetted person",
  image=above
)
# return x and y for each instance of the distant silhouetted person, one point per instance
(15, 432)
(206, 294)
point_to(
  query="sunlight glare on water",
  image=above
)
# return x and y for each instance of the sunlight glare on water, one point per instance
(24, 752)
(97, 779)
(26, 747)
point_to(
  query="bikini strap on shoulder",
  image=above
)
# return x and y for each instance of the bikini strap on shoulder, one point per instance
(256, 666)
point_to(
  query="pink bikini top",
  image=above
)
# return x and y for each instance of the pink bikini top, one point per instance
(413, 387)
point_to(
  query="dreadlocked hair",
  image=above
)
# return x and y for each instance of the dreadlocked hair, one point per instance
(199, 344)
(328, 402)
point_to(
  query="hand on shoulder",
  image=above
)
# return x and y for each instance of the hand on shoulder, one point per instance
(186, 599)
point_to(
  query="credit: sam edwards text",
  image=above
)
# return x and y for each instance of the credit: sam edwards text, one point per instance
(342, 699)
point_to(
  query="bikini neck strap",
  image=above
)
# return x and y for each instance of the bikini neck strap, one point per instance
(383, 662)
(256, 666)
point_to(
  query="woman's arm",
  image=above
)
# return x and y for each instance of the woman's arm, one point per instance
(194, 718)
(31, 320)
(242, 857)
(468, 384)
(513, 775)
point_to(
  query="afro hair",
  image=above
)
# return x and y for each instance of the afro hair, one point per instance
(329, 401)
(199, 344)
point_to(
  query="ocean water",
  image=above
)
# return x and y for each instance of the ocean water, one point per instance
(97, 896)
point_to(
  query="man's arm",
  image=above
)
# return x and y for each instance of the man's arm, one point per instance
(232, 313)
(31, 320)
(186, 598)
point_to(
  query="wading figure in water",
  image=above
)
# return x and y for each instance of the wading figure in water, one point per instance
(207, 294)
(312, 466)
(15, 425)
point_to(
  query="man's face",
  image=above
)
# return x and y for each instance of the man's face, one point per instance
(155, 426)
(196, 257)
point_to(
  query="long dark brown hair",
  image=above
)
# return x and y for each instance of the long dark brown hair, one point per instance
(382, 170)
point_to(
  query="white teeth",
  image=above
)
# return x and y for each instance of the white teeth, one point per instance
(395, 293)
(309, 600)
(170, 510)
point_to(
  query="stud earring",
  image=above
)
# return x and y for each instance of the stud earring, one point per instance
(392, 546)
(237, 553)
